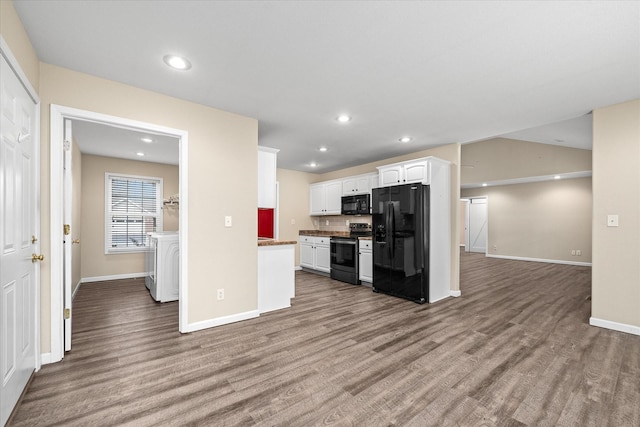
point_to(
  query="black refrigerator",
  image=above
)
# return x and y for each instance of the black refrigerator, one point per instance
(400, 217)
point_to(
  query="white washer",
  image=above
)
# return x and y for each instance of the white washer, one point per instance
(163, 263)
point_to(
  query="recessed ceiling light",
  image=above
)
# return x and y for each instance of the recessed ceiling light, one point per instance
(313, 164)
(177, 62)
(146, 139)
(484, 184)
(405, 139)
(322, 149)
(344, 118)
(140, 153)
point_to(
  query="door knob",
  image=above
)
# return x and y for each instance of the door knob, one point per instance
(76, 241)
(35, 257)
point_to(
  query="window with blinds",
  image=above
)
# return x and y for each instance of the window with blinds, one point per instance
(133, 208)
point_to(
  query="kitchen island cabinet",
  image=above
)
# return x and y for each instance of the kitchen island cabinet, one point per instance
(276, 274)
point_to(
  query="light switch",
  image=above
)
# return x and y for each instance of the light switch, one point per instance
(612, 220)
(227, 221)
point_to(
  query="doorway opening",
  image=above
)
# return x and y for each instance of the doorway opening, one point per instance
(61, 282)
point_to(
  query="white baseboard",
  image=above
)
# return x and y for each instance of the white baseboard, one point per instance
(113, 277)
(551, 261)
(455, 294)
(297, 268)
(205, 324)
(620, 327)
(73, 295)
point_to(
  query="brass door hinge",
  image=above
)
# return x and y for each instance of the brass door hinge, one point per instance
(67, 313)
(67, 229)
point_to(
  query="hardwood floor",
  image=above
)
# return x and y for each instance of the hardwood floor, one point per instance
(515, 350)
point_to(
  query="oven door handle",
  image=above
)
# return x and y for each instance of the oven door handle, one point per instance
(344, 242)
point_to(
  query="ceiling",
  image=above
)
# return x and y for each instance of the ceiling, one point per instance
(439, 72)
(111, 141)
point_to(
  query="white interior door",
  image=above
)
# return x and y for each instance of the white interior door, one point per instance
(67, 214)
(478, 225)
(18, 268)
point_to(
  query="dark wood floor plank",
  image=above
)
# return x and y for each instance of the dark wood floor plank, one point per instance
(515, 350)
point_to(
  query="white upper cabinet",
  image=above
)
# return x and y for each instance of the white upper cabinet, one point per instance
(416, 171)
(390, 175)
(325, 198)
(405, 172)
(267, 160)
(359, 184)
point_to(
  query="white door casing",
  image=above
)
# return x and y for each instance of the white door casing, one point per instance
(478, 220)
(464, 223)
(19, 229)
(66, 238)
(58, 114)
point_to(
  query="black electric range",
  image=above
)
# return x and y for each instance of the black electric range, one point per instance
(344, 253)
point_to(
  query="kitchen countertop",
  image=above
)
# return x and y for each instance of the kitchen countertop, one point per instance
(272, 242)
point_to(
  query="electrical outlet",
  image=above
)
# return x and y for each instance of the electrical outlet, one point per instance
(293, 221)
(578, 252)
(326, 222)
(347, 222)
(573, 252)
(220, 294)
(227, 221)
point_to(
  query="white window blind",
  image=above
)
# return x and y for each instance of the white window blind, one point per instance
(133, 209)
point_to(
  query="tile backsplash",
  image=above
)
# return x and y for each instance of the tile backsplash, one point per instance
(338, 222)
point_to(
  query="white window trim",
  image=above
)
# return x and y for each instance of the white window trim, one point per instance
(108, 250)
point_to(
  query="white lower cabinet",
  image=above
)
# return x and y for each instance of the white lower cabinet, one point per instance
(315, 253)
(365, 261)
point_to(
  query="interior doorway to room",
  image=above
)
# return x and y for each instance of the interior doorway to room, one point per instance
(476, 224)
(105, 138)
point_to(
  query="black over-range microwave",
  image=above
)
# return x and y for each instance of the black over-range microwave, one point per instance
(358, 204)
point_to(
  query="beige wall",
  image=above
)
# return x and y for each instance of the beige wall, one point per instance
(219, 143)
(544, 220)
(95, 262)
(76, 216)
(16, 37)
(616, 190)
(293, 204)
(499, 159)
